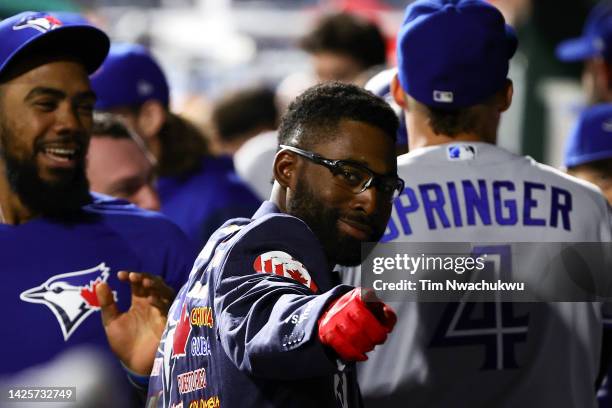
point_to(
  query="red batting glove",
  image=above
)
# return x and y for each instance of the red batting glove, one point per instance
(353, 327)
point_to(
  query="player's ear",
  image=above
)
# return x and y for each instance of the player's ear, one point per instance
(506, 96)
(151, 118)
(285, 169)
(607, 68)
(398, 93)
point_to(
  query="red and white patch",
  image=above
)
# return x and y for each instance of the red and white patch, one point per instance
(282, 264)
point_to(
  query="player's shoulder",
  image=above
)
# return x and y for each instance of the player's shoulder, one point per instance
(280, 228)
(121, 212)
(271, 230)
(270, 240)
(460, 152)
(215, 177)
(562, 179)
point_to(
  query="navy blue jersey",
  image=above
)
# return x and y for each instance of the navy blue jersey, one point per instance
(49, 271)
(201, 201)
(243, 331)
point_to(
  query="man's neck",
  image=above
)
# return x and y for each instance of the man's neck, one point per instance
(420, 134)
(12, 210)
(278, 196)
(435, 140)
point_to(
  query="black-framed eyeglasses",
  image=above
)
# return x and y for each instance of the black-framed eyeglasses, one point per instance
(353, 176)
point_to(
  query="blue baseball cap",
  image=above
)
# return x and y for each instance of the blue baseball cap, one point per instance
(129, 76)
(453, 53)
(33, 32)
(596, 39)
(591, 137)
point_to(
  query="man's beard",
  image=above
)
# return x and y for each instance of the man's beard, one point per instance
(59, 199)
(323, 221)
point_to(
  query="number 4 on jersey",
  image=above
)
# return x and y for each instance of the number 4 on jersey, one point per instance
(492, 325)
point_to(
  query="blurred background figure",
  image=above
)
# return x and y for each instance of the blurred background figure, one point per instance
(91, 386)
(380, 84)
(594, 49)
(240, 115)
(588, 156)
(346, 47)
(197, 191)
(253, 162)
(118, 163)
(244, 126)
(588, 153)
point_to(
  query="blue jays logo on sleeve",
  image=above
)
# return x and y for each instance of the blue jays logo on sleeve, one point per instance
(461, 152)
(40, 22)
(282, 264)
(70, 296)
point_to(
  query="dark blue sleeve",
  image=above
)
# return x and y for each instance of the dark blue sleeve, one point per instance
(179, 258)
(268, 323)
(217, 217)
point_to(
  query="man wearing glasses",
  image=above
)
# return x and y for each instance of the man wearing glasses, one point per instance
(262, 321)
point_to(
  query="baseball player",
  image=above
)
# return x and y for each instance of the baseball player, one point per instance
(452, 84)
(345, 47)
(118, 163)
(594, 49)
(262, 321)
(588, 155)
(58, 241)
(588, 150)
(198, 192)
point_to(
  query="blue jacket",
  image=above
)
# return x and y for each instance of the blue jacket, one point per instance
(243, 331)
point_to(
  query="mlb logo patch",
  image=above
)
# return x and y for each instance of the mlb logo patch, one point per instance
(461, 152)
(40, 22)
(145, 88)
(607, 125)
(282, 264)
(443, 96)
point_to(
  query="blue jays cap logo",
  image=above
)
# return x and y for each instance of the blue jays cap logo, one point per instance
(41, 22)
(70, 296)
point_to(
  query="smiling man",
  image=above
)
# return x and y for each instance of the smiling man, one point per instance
(59, 241)
(262, 321)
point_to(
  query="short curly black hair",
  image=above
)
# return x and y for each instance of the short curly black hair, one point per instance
(315, 113)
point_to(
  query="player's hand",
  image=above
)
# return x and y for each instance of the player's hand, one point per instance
(134, 335)
(353, 327)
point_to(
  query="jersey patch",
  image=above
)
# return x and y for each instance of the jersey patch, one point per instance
(70, 296)
(461, 152)
(282, 264)
(443, 96)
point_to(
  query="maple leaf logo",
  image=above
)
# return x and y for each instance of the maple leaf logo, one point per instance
(88, 293)
(53, 21)
(295, 274)
(282, 264)
(181, 334)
